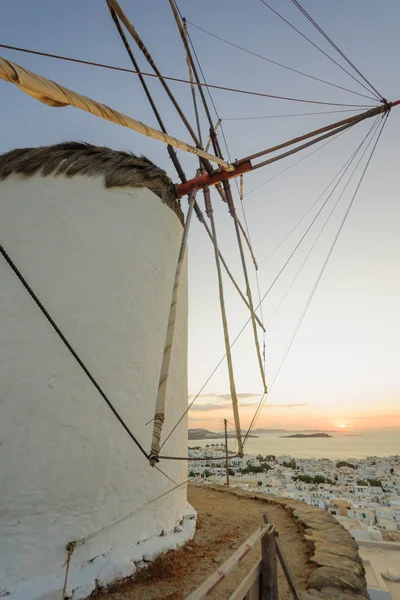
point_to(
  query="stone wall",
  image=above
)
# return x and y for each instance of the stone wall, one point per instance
(339, 573)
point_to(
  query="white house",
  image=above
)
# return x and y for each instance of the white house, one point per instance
(361, 514)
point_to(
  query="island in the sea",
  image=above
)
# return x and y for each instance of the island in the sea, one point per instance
(307, 435)
(205, 434)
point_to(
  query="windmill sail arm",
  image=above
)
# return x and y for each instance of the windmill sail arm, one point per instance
(52, 94)
(244, 165)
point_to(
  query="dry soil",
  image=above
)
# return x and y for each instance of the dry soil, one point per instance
(225, 521)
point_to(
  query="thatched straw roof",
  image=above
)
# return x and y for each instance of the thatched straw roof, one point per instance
(118, 169)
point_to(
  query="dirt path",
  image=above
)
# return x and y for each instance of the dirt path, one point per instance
(225, 521)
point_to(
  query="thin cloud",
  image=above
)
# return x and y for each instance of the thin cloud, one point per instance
(227, 396)
(207, 407)
(240, 395)
(368, 418)
(202, 420)
(284, 405)
(210, 406)
(372, 417)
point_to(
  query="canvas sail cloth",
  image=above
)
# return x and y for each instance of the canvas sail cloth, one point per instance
(52, 94)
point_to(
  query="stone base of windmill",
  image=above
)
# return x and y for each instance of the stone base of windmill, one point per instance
(105, 569)
(102, 570)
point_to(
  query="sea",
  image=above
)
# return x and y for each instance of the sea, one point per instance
(340, 445)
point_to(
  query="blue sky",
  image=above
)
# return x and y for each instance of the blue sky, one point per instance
(343, 366)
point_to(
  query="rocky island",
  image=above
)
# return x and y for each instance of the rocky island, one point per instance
(307, 435)
(205, 434)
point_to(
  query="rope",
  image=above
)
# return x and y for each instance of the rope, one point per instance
(185, 36)
(115, 6)
(248, 238)
(332, 126)
(307, 114)
(264, 330)
(121, 15)
(171, 151)
(55, 95)
(312, 205)
(274, 62)
(232, 385)
(246, 234)
(232, 210)
(179, 80)
(159, 417)
(308, 16)
(173, 155)
(193, 90)
(286, 351)
(323, 227)
(240, 192)
(306, 145)
(217, 124)
(229, 198)
(70, 549)
(315, 45)
(312, 223)
(298, 325)
(69, 347)
(231, 276)
(90, 536)
(293, 165)
(165, 475)
(247, 282)
(188, 458)
(248, 321)
(256, 412)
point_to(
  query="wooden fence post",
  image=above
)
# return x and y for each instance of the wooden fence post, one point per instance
(269, 565)
(285, 566)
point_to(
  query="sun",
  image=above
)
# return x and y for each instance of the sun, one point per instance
(342, 426)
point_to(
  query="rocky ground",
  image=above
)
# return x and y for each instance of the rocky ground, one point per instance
(225, 521)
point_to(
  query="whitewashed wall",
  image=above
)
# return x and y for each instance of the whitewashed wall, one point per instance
(102, 262)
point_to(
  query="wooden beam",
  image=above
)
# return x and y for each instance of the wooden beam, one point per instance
(269, 565)
(207, 587)
(285, 566)
(249, 587)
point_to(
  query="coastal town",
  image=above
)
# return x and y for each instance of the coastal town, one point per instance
(363, 495)
(211, 218)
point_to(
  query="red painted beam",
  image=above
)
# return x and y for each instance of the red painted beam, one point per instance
(244, 167)
(212, 178)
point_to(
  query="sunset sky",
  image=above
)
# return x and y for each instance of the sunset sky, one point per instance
(343, 367)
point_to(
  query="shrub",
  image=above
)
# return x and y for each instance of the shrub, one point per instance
(375, 482)
(290, 465)
(315, 480)
(343, 463)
